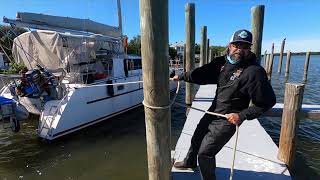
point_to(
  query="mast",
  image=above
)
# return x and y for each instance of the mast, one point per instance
(119, 16)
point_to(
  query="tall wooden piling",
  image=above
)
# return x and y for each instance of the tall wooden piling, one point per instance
(281, 55)
(208, 48)
(290, 122)
(270, 66)
(154, 49)
(190, 48)
(306, 66)
(211, 55)
(288, 64)
(184, 57)
(203, 49)
(257, 15)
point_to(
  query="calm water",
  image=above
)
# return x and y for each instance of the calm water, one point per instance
(116, 149)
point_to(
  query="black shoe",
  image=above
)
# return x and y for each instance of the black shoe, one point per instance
(182, 165)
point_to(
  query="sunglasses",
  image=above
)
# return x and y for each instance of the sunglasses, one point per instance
(241, 45)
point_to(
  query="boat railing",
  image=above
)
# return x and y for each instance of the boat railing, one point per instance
(51, 118)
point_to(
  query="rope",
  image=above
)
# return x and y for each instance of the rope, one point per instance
(164, 107)
(205, 111)
(234, 152)
(143, 102)
(113, 84)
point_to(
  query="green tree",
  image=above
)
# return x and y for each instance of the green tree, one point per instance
(134, 46)
(172, 52)
(217, 50)
(7, 34)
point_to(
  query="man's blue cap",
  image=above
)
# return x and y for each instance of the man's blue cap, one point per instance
(241, 36)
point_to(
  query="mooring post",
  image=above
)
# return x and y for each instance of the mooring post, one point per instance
(290, 122)
(270, 67)
(265, 58)
(306, 66)
(210, 55)
(203, 49)
(288, 64)
(208, 48)
(257, 15)
(281, 55)
(184, 57)
(154, 51)
(190, 48)
(266, 64)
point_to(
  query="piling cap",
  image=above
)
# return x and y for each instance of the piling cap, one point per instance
(241, 35)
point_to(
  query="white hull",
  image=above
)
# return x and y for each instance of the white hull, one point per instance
(87, 106)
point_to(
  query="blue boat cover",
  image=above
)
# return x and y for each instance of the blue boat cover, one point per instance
(4, 100)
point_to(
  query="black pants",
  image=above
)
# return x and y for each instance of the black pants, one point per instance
(211, 134)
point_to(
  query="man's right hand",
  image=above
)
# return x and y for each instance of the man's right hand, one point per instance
(175, 78)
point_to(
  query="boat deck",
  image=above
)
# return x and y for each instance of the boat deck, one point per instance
(256, 156)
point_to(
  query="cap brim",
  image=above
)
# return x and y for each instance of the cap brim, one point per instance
(241, 41)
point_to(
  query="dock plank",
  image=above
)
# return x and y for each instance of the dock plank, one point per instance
(256, 156)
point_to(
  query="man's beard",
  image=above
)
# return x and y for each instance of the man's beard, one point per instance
(237, 56)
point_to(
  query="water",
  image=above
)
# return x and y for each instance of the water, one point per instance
(116, 148)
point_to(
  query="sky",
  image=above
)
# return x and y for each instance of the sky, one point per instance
(295, 20)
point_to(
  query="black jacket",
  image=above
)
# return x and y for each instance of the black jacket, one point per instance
(236, 86)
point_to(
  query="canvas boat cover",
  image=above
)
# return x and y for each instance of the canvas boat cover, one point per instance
(57, 51)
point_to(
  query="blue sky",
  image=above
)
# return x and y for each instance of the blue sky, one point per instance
(297, 21)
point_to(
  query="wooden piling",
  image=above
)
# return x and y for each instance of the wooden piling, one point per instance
(281, 55)
(184, 57)
(290, 122)
(203, 46)
(154, 48)
(190, 48)
(257, 14)
(288, 64)
(266, 65)
(306, 66)
(208, 48)
(211, 55)
(265, 58)
(270, 66)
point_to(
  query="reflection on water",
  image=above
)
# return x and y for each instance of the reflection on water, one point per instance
(116, 148)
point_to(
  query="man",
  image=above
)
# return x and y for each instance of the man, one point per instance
(239, 79)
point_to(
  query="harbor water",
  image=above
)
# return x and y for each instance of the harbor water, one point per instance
(116, 149)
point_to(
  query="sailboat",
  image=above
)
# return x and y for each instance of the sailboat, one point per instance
(70, 69)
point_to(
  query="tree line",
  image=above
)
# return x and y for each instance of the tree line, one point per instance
(134, 47)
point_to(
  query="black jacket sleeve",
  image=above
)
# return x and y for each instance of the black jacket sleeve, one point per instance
(261, 93)
(206, 74)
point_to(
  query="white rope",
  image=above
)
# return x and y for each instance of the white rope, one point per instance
(205, 111)
(143, 102)
(234, 152)
(170, 104)
(112, 84)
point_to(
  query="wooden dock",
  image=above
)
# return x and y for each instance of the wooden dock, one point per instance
(256, 156)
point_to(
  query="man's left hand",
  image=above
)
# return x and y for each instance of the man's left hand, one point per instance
(234, 118)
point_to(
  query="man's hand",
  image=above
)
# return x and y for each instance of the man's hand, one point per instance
(234, 118)
(175, 78)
